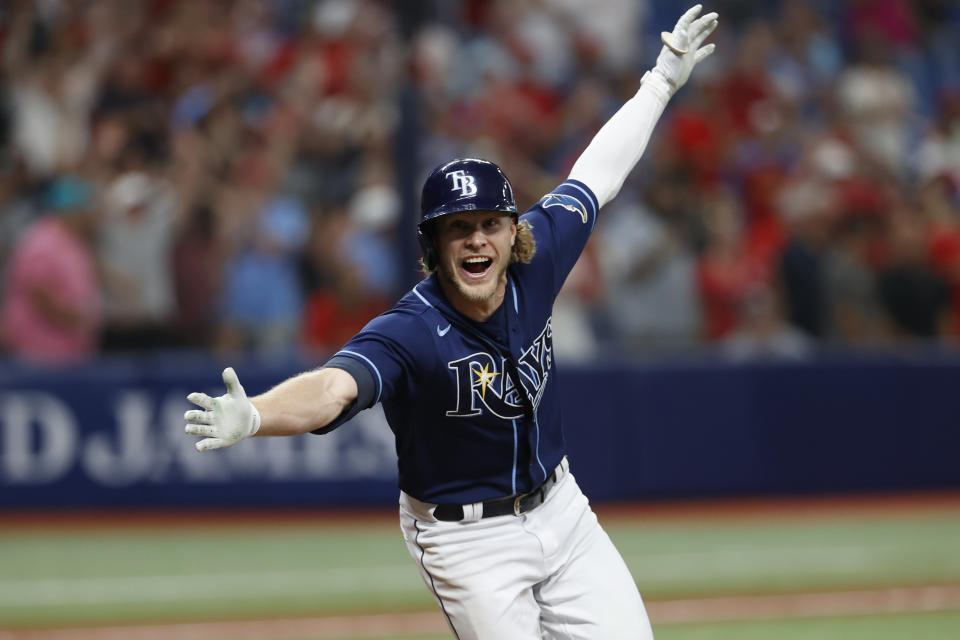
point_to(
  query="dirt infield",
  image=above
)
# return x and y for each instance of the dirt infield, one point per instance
(736, 608)
(785, 508)
(766, 508)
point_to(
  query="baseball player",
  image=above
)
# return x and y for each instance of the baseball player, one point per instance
(463, 366)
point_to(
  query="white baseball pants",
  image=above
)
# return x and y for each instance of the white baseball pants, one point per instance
(549, 574)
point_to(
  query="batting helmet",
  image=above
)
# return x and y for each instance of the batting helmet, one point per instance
(466, 184)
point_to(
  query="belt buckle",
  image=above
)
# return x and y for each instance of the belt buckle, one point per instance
(516, 505)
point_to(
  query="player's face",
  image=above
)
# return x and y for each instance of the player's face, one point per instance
(474, 249)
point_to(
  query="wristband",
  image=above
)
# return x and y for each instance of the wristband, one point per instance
(255, 418)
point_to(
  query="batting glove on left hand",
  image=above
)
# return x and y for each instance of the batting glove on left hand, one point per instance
(682, 50)
(226, 420)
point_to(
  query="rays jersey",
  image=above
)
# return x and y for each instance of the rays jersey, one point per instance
(474, 405)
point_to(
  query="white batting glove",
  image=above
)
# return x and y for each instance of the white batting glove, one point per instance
(226, 420)
(682, 50)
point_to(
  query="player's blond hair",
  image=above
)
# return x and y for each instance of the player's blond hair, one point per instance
(525, 244)
(524, 247)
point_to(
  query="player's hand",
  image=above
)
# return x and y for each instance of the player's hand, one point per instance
(226, 420)
(681, 48)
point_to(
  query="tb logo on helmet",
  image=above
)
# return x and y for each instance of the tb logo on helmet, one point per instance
(463, 181)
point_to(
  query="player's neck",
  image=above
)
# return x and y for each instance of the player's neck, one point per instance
(478, 309)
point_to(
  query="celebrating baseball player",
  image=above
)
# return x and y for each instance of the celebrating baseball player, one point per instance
(463, 366)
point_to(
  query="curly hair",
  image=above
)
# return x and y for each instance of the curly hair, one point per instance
(525, 246)
(523, 250)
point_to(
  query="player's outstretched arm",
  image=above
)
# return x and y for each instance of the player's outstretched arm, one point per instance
(298, 405)
(617, 147)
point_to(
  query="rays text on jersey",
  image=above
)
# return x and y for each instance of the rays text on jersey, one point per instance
(484, 380)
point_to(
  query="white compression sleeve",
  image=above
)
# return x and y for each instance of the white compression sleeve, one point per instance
(616, 148)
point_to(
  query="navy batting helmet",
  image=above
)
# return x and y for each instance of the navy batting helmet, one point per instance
(466, 184)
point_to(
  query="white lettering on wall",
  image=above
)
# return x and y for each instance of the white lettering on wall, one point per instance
(126, 457)
(38, 438)
(42, 440)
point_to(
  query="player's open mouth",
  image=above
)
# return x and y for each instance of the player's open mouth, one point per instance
(477, 266)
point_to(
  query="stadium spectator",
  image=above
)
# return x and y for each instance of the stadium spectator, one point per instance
(941, 209)
(263, 295)
(916, 298)
(876, 99)
(134, 249)
(196, 261)
(51, 305)
(762, 331)
(652, 300)
(55, 76)
(17, 209)
(337, 305)
(725, 269)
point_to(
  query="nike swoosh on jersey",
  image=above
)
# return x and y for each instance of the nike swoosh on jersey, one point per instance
(442, 332)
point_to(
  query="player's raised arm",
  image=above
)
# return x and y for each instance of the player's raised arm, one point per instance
(617, 147)
(304, 403)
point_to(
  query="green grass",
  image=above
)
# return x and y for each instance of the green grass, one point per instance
(812, 554)
(178, 575)
(62, 577)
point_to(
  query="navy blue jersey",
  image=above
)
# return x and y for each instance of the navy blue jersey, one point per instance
(474, 405)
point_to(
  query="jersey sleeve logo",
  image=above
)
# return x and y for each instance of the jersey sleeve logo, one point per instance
(565, 202)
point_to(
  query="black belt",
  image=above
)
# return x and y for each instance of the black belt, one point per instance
(515, 505)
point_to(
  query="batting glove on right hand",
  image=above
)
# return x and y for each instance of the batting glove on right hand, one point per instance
(682, 50)
(226, 420)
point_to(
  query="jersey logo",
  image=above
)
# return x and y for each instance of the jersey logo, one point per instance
(442, 332)
(565, 202)
(484, 382)
(464, 182)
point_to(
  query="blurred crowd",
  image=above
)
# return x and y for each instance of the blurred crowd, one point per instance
(235, 175)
